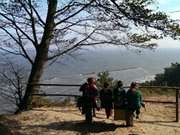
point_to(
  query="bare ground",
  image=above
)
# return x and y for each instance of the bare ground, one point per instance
(156, 119)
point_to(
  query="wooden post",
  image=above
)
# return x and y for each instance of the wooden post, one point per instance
(177, 105)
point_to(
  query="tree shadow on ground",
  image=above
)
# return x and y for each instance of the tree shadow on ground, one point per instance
(8, 127)
(81, 126)
(73, 111)
(55, 110)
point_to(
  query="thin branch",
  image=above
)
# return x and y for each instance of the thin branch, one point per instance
(75, 24)
(33, 23)
(12, 52)
(32, 20)
(9, 98)
(72, 15)
(18, 42)
(23, 49)
(14, 24)
(9, 79)
(64, 9)
(39, 17)
(139, 20)
(73, 47)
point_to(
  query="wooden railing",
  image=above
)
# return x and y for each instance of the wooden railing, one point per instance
(152, 101)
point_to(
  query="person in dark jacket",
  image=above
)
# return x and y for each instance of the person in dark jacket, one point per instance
(106, 99)
(119, 96)
(81, 100)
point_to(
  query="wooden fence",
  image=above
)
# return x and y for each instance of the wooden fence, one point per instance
(151, 101)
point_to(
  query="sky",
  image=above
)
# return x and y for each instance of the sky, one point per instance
(172, 9)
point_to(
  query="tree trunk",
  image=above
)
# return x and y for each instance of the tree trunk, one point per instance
(35, 75)
(41, 57)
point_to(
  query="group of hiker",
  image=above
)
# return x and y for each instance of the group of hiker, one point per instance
(109, 98)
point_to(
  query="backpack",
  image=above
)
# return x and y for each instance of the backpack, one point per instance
(119, 98)
(83, 88)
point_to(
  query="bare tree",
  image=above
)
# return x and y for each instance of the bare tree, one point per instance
(54, 28)
(13, 79)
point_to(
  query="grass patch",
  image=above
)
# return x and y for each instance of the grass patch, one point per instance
(45, 102)
(3, 117)
(157, 92)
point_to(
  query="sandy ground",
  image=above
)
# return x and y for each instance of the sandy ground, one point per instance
(157, 119)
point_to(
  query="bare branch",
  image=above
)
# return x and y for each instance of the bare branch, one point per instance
(78, 44)
(14, 23)
(39, 17)
(23, 49)
(19, 42)
(32, 20)
(74, 14)
(65, 8)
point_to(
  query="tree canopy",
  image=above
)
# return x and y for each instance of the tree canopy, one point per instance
(104, 77)
(169, 77)
(78, 23)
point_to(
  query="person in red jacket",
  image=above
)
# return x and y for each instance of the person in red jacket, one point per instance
(90, 99)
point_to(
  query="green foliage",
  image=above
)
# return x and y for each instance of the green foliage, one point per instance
(175, 27)
(104, 77)
(170, 77)
(139, 38)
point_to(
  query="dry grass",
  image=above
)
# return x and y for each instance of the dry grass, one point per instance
(157, 119)
(45, 102)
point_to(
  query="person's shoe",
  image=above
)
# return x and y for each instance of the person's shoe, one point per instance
(137, 117)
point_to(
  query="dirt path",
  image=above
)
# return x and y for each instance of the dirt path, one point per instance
(155, 120)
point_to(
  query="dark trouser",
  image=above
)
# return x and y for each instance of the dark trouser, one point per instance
(130, 114)
(88, 108)
(129, 118)
(94, 111)
(108, 112)
(137, 111)
(83, 110)
(88, 114)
